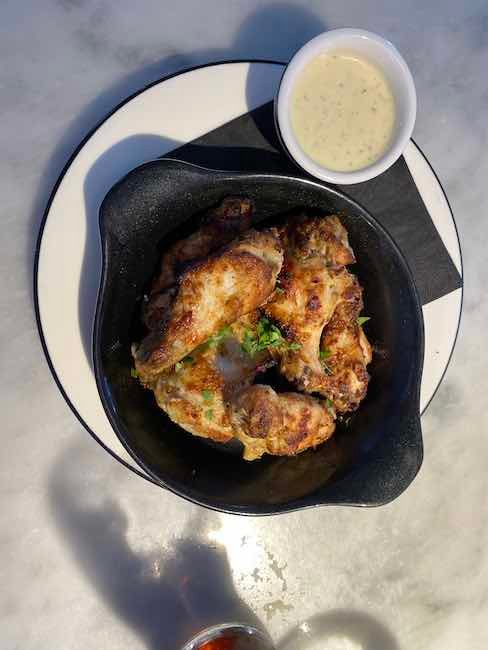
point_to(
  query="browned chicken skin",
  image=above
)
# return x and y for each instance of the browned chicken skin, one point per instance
(211, 294)
(313, 284)
(198, 394)
(282, 424)
(220, 226)
(347, 353)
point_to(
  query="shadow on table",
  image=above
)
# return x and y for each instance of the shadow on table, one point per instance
(165, 597)
(365, 631)
(273, 32)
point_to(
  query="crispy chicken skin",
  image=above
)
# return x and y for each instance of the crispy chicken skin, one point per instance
(212, 294)
(220, 226)
(312, 283)
(318, 238)
(198, 395)
(348, 353)
(281, 424)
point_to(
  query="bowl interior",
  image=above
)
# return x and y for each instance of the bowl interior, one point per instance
(369, 460)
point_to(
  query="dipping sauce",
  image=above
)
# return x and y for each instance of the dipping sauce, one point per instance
(342, 111)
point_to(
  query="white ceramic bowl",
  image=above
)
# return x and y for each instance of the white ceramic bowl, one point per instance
(385, 56)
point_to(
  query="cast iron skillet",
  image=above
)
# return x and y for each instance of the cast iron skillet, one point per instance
(369, 461)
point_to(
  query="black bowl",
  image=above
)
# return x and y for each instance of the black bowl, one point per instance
(369, 461)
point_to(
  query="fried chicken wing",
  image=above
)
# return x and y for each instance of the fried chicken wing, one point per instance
(281, 424)
(198, 394)
(220, 226)
(317, 308)
(211, 395)
(346, 352)
(312, 283)
(211, 294)
(321, 238)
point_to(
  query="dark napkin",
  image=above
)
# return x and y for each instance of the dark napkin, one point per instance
(250, 143)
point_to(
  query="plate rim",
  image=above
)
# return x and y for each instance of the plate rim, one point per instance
(53, 193)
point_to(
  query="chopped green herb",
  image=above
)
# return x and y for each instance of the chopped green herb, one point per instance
(209, 414)
(216, 339)
(186, 361)
(266, 336)
(249, 343)
(363, 319)
(133, 373)
(329, 404)
(324, 353)
(293, 346)
(207, 395)
(279, 290)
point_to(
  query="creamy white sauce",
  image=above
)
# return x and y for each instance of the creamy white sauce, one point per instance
(342, 111)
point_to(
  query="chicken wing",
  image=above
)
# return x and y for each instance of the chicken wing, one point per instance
(212, 294)
(281, 424)
(220, 226)
(321, 238)
(346, 353)
(311, 284)
(199, 392)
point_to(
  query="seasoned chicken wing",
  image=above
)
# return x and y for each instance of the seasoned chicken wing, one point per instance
(211, 395)
(198, 393)
(319, 238)
(220, 226)
(317, 307)
(311, 284)
(282, 424)
(212, 294)
(346, 352)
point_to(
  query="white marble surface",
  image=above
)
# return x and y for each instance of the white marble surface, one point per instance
(82, 558)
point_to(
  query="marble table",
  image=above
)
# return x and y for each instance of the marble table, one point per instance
(84, 555)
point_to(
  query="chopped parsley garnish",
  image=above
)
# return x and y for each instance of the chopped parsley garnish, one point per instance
(363, 319)
(293, 346)
(250, 343)
(209, 414)
(133, 373)
(329, 404)
(207, 395)
(279, 290)
(324, 354)
(216, 339)
(266, 336)
(186, 361)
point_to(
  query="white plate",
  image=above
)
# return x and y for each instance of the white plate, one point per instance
(169, 113)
